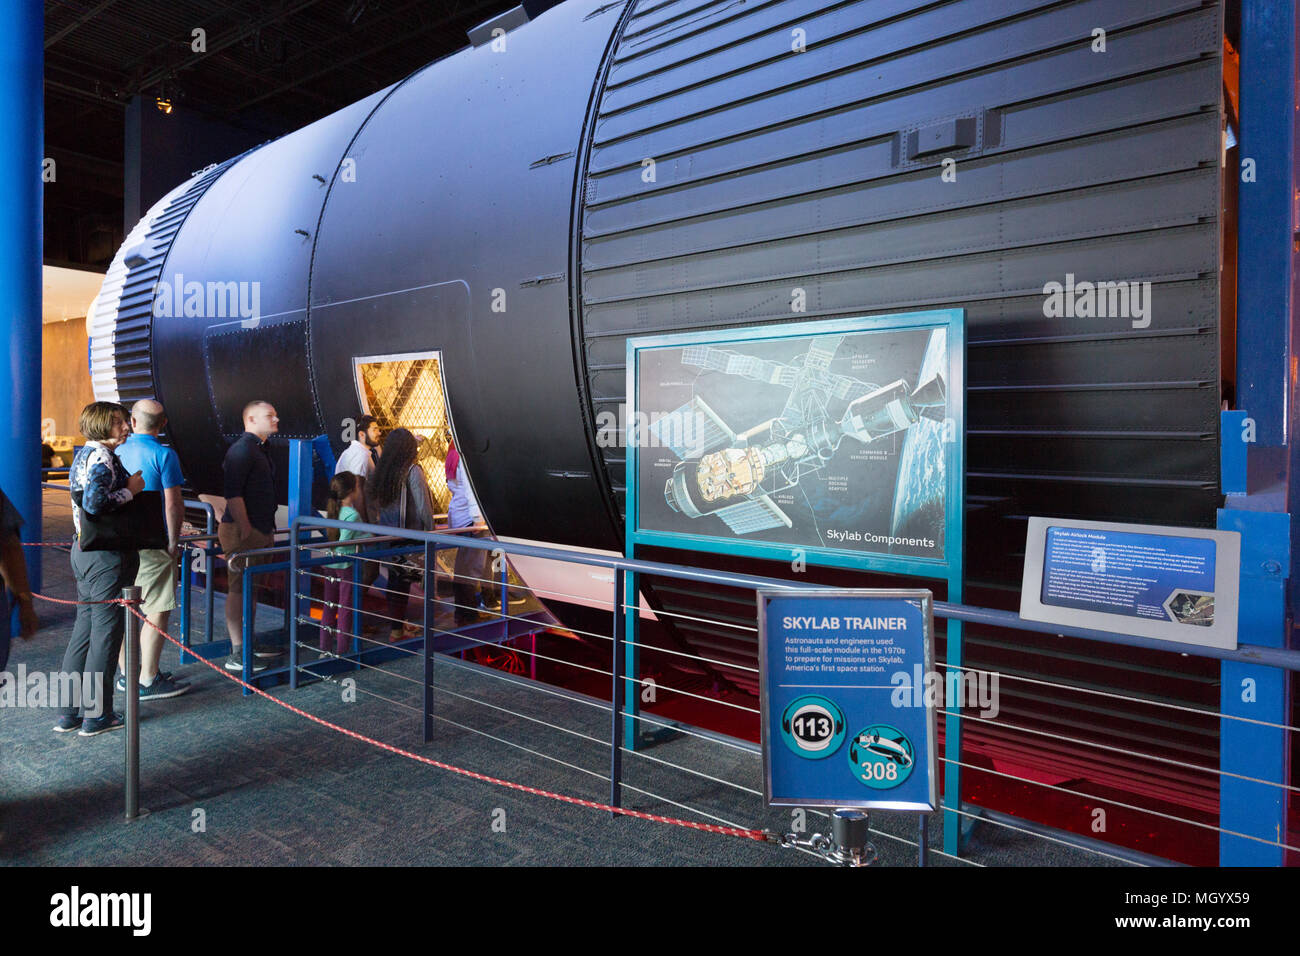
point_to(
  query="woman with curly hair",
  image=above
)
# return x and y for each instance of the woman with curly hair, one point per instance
(402, 494)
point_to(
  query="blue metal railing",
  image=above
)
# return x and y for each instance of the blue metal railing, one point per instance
(206, 554)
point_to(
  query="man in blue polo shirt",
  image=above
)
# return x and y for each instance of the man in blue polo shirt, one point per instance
(156, 579)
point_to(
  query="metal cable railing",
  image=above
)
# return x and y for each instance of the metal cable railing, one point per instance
(1015, 728)
(302, 560)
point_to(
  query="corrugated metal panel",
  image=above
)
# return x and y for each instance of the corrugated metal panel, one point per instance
(726, 169)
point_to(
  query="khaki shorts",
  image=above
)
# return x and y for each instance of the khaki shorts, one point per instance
(156, 580)
(231, 543)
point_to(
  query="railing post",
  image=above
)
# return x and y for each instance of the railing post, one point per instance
(615, 694)
(209, 566)
(358, 603)
(430, 555)
(204, 553)
(187, 582)
(293, 604)
(952, 729)
(132, 638)
(629, 607)
(503, 597)
(249, 629)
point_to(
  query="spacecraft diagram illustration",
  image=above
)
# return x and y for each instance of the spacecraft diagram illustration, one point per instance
(734, 474)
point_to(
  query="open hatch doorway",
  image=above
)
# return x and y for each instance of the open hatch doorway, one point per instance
(408, 391)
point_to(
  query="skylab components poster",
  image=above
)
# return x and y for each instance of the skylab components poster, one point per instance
(838, 441)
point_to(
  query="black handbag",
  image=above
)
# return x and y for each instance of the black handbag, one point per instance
(138, 525)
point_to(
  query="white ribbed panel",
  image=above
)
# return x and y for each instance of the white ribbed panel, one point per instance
(101, 319)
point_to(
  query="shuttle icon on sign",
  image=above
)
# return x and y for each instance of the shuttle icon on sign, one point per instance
(881, 756)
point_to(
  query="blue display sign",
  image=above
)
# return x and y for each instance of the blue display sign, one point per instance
(836, 442)
(1174, 584)
(1138, 575)
(843, 722)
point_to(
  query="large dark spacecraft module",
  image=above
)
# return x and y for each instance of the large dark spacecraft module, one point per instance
(613, 169)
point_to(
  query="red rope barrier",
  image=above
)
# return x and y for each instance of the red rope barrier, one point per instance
(54, 600)
(758, 835)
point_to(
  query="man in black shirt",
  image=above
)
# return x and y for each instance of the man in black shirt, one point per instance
(249, 521)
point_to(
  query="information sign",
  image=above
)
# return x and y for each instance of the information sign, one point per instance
(1176, 584)
(845, 723)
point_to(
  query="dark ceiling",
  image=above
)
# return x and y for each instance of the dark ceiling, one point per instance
(270, 66)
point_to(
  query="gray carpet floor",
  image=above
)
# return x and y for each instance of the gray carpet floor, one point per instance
(230, 779)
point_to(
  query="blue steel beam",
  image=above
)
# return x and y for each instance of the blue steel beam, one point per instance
(22, 118)
(1265, 227)
(1266, 352)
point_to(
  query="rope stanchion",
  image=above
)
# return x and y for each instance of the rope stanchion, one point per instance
(748, 834)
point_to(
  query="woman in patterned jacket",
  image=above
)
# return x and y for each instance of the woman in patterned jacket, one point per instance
(103, 486)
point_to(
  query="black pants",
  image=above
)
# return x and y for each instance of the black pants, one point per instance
(398, 595)
(467, 584)
(97, 632)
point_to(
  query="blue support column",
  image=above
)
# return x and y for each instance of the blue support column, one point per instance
(1265, 228)
(300, 479)
(1267, 348)
(22, 118)
(300, 483)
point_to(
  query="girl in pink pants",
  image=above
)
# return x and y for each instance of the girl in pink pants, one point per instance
(337, 619)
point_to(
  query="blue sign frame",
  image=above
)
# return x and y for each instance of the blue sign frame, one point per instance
(949, 566)
(835, 734)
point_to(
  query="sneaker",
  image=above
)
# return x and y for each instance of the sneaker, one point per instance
(94, 726)
(268, 649)
(120, 683)
(162, 688)
(66, 724)
(235, 662)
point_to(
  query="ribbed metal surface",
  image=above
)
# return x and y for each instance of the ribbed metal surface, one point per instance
(775, 170)
(121, 318)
